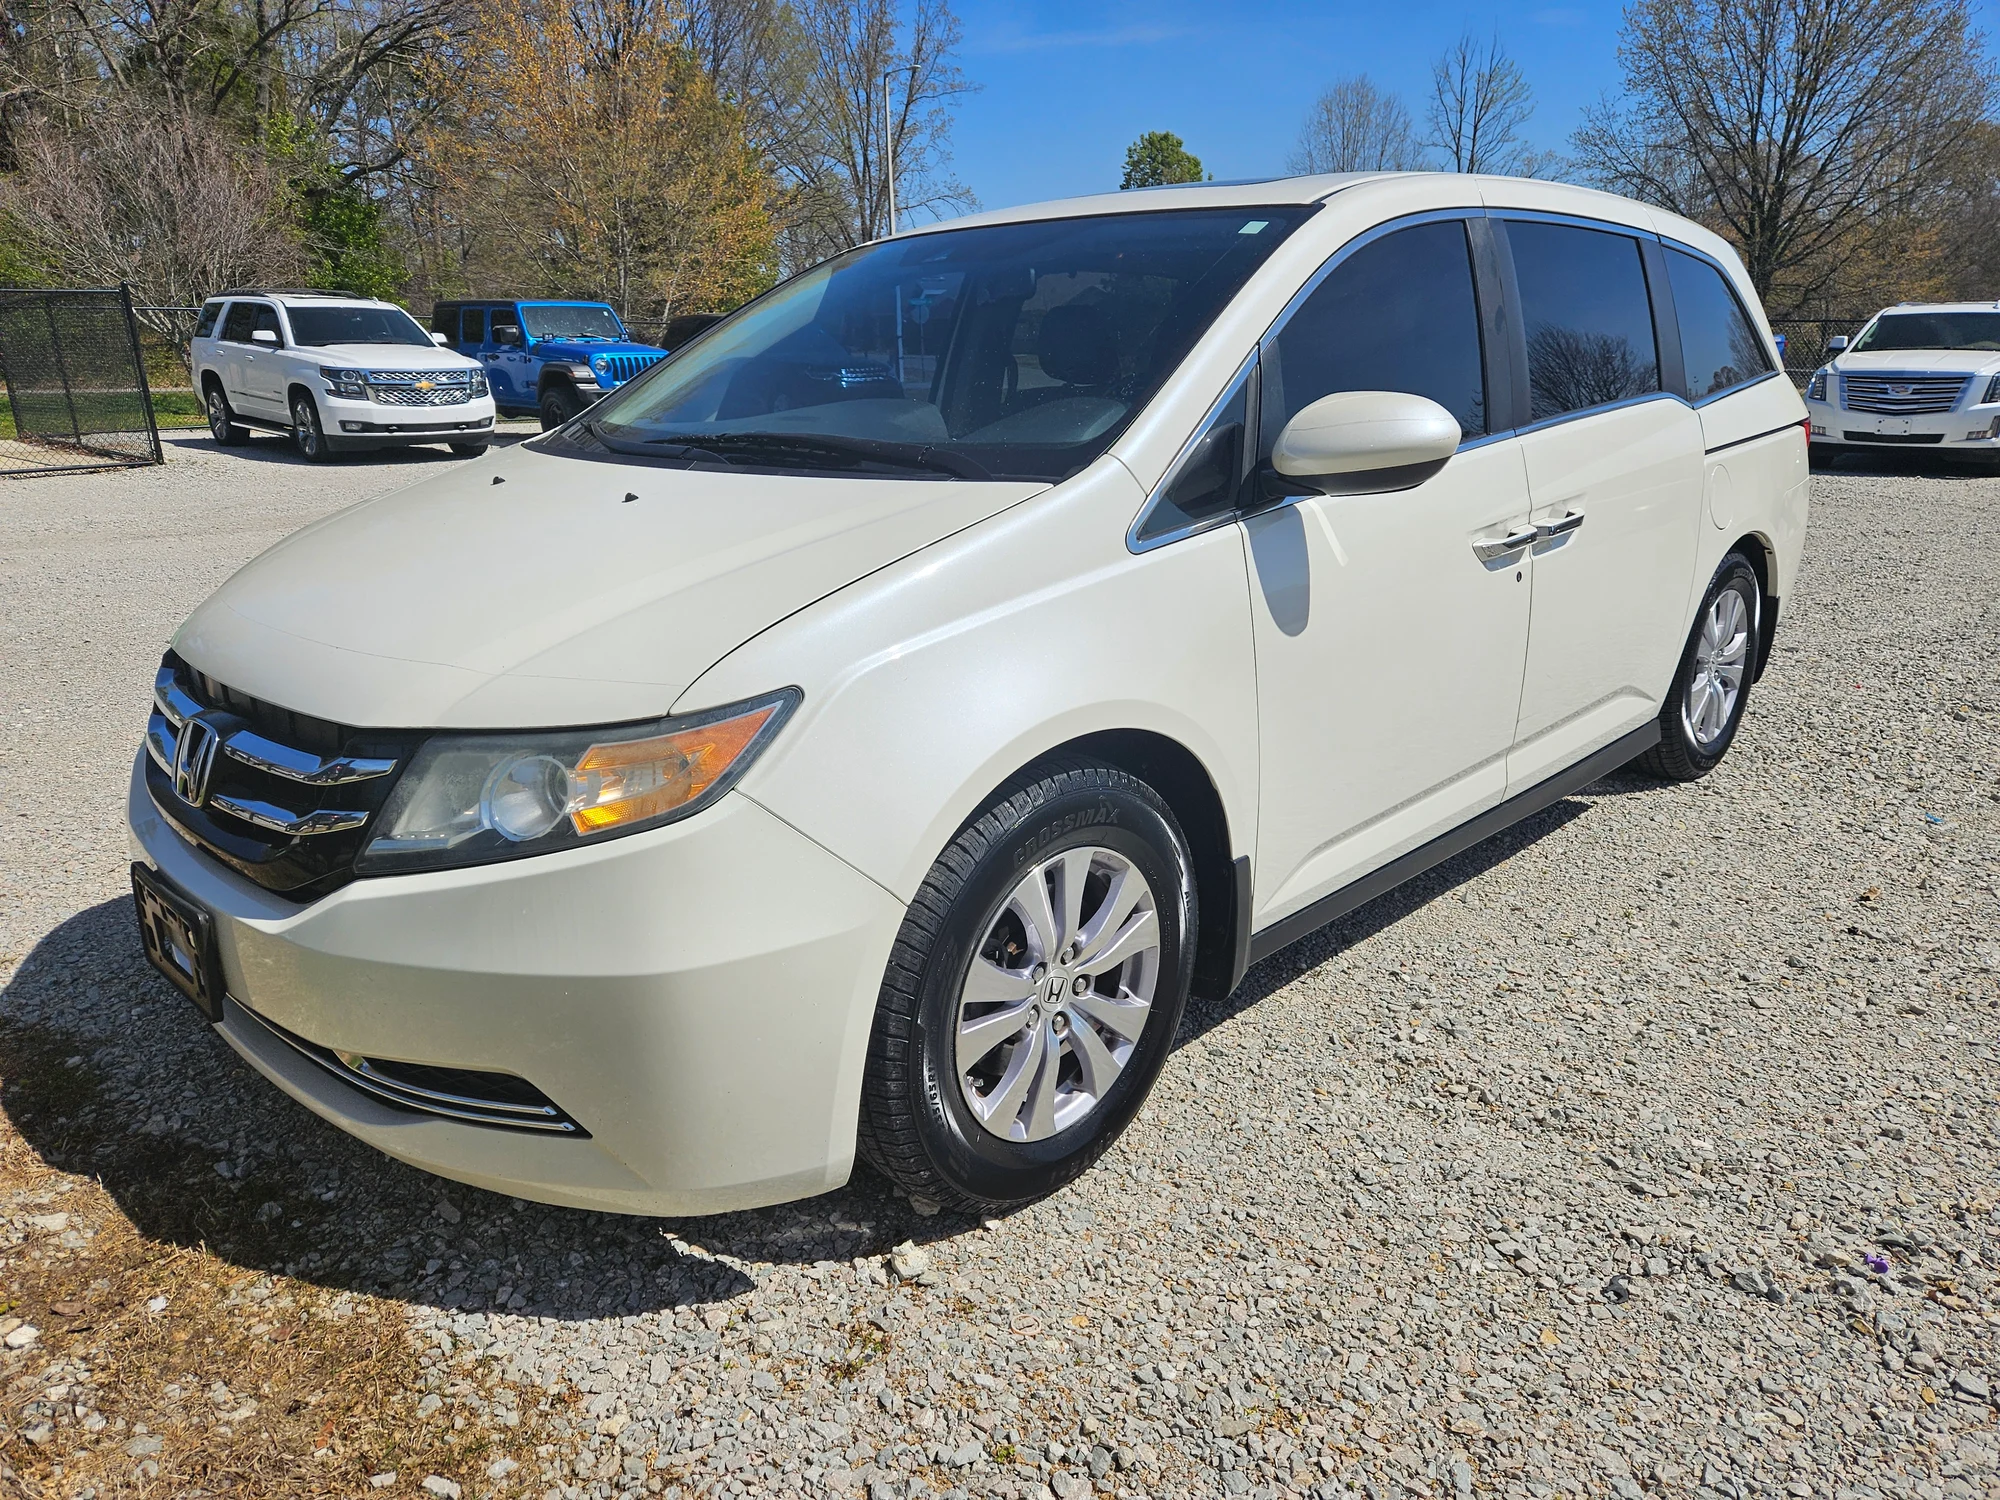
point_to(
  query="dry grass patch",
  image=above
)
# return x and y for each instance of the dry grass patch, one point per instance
(162, 1364)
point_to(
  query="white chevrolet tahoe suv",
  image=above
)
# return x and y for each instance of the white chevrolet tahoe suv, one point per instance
(865, 728)
(1916, 376)
(335, 371)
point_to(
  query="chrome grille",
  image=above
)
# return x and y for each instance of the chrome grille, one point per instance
(1898, 395)
(624, 366)
(423, 387)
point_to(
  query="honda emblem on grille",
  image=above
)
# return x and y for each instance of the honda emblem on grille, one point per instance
(194, 760)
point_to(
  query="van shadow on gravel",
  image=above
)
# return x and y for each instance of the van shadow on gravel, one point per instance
(108, 1073)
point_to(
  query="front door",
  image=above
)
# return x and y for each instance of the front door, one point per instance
(1390, 631)
(1616, 476)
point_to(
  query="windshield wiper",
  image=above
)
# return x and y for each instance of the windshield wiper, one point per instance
(893, 455)
(666, 447)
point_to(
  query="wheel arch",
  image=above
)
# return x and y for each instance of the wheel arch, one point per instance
(210, 380)
(1221, 887)
(297, 388)
(1756, 549)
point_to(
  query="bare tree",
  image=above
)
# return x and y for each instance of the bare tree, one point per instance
(1356, 127)
(150, 198)
(1479, 102)
(1794, 126)
(869, 85)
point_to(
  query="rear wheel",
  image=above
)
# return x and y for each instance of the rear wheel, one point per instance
(559, 404)
(1705, 705)
(222, 423)
(1034, 992)
(307, 435)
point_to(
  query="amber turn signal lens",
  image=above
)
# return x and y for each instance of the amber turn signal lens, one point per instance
(629, 781)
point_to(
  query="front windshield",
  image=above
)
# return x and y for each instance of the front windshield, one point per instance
(316, 327)
(1015, 351)
(1932, 330)
(582, 320)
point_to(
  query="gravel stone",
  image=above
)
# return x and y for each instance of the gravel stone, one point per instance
(1731, 1049)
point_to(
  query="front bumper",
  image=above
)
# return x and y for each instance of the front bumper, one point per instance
(1971, 430)
(374, 424)
(697, 998)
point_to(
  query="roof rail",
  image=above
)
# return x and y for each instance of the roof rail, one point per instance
(292, 291)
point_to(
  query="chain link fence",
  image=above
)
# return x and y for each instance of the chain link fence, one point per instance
(77, 396)
(1805, 339)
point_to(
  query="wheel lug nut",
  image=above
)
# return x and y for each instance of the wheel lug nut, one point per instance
(1038, 973)
(1082, 984)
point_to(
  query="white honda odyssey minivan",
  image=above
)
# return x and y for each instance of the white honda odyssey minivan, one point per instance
(866, 729)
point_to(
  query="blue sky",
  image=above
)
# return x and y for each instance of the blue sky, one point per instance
(1068, 84)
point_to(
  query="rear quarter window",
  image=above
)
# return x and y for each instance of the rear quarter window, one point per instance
(1720, 346)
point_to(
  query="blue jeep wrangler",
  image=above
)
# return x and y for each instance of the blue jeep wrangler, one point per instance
(544, 359)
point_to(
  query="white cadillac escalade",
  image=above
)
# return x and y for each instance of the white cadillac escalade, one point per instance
(1915, 376)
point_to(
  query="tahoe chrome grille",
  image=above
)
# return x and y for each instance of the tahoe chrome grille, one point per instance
(279, 796)
(1896, 395)
(470, 1094)
(622, 367)
(422, 387)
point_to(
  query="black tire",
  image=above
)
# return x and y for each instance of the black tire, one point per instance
(916, 1126)
(222, 423)
(468, 450)
(559, 404)
(1683, 754)
(308, 437)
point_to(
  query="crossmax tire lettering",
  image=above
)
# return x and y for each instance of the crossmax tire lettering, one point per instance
(916, 1126)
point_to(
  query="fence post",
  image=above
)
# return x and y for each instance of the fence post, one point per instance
(139, 372)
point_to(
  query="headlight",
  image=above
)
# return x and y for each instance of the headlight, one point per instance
(1992, 391)
(471, 799)
(601, 363)
(349, 383)
(1816, 387)
(478, 381)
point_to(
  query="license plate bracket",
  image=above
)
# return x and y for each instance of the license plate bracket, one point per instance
(179, 938)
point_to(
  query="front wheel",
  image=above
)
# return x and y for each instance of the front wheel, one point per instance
(559, 404)
(1034, 991)
(307, 435)
(1705, 705)
(468, 450)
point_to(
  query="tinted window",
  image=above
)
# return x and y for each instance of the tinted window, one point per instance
(1397, 315)
(209, 313)
(1720, 346)
(242, 318)
(1204, 484)
(472, 326)
(320, 326)
(1930, 330)
(1588, 321)
(998, 350)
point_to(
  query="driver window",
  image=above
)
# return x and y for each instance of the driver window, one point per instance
(1398, 314)
(242, 318)
(265, 320)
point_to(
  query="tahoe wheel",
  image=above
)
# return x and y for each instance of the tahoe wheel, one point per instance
(1034, 991)
(222, 423)
(307, 435)
(468, 450)
(559, 404)
(1705, 704)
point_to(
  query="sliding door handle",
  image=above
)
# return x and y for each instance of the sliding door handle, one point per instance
(1561, 525)
(1491, 547)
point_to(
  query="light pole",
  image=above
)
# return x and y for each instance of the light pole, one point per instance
(889, 135)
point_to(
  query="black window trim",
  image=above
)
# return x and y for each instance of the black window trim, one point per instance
(1245, 374)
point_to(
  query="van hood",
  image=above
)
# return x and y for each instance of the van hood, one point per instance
(528, 591)
(389, 356)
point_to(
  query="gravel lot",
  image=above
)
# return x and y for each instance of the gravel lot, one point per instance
(1651, 1149)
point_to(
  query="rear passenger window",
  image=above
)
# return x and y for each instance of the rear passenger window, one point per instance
(205, 327)
(1588, 321)
(472, 327)
(1720, 346)
(1397, 315)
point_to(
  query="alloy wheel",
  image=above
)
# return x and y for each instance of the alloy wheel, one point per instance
(1721, 656)
(218, 416)
(1057, 994)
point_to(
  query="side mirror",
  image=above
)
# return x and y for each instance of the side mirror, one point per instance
(1364, 442)
(507, 334)
(442, 340)
(264, 336)
(1836, 344)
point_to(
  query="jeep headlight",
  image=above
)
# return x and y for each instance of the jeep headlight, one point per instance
(472, 799)
(1816, 387)
(601, 364)
(352, 384)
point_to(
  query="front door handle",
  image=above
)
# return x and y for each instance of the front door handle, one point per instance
(1561, 525)
(1491, 547)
